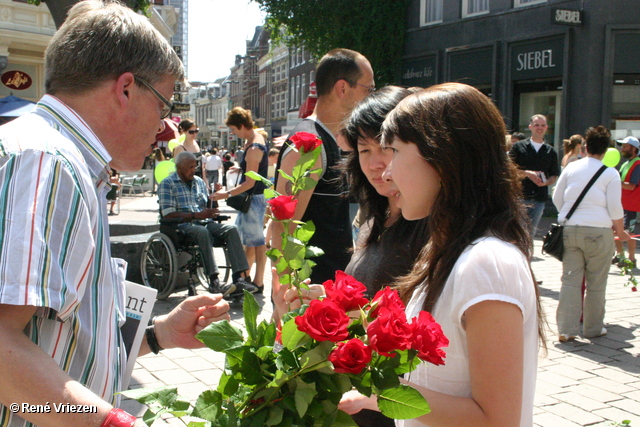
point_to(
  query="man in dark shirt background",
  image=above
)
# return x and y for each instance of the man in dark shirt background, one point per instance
(538, 164)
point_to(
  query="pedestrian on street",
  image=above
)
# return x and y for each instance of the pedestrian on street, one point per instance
(588, 237)
(630, 177)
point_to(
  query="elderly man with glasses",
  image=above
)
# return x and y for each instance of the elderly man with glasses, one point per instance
(62, 296)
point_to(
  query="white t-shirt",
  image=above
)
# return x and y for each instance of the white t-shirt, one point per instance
(213, 163)
(488, 269)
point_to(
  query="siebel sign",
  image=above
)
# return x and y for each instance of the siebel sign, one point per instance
(567, 17)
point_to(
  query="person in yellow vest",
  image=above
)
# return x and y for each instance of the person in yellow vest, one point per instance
(630, 177)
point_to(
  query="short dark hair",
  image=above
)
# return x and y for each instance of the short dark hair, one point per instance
(338, 64)
(598, 140)
(519, 136)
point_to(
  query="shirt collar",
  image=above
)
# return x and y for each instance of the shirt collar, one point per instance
(73, 127)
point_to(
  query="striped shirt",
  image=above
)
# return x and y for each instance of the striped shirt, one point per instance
(175, 195)
(54, 245)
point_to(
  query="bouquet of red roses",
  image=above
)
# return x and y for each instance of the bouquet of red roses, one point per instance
(296, 376)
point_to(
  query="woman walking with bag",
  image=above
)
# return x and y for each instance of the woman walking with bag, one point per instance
(588, 237)
(255, 159)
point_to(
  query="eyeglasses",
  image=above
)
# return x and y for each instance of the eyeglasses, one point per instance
(371, 89)
(193, 131)
(166, 111)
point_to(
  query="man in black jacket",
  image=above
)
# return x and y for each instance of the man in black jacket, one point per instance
(538, 163)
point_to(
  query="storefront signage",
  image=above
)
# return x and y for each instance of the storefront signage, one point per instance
(180, 106)
(537, 60)
(567, 17)
(18, 80)
(419, 72)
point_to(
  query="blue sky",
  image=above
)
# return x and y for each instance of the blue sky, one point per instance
(218, 30)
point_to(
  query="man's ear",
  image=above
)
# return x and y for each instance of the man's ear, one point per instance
(340, 88)
(124, 86)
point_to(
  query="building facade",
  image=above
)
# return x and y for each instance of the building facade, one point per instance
(575, 61)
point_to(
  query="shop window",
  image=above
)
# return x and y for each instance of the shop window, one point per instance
(625, 108)
(430, 12)
(521, 3)
(474, 7)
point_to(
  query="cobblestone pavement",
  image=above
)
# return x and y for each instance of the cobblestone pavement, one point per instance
(589, 382)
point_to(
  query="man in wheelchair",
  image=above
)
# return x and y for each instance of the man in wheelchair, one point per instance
(185, 196)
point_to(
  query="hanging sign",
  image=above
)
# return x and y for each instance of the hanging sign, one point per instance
(18, 80)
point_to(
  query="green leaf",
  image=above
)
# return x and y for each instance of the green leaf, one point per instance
(164, 396)
(307, 183)
(245, 364)
(275, 416)
(208, 405)
(270, 193)
(285, 279)
(150, 417)
(221, 336)
(257, 177)
(199, 424)
(305, 392)
(286, 175)
(313, 251)
(385, 378)
(403, 403)
(287, 360)
(251, 309)
(266, 334)
(316, 358)
(305, 232)
(228, 385)
(305, 270)
(292, 338)
(281, 266)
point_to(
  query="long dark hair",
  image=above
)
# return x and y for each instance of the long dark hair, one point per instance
(365, 121)
(460, 132)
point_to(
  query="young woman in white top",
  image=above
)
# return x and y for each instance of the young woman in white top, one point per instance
(450, 164)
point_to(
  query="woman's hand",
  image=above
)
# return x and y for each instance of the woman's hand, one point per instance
(353, 402)
(218, 195)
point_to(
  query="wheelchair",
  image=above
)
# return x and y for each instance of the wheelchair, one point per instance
(171, 251)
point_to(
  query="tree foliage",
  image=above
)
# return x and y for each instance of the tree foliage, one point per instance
(375, 28)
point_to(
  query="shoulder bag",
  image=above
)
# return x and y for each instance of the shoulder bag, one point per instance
(241, 202)
(552, 243)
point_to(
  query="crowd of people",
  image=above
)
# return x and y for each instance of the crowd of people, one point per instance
(448, 211)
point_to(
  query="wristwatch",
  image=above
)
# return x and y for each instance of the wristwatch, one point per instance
(228, 194)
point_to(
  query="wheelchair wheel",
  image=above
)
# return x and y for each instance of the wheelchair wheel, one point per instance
(158, 265)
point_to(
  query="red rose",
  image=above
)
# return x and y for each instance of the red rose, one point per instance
(427, 337)
(283, 207)
(386, 298)
(305, 141)
(346, 291)
(389, 332)
(324, 320)
(350, 357)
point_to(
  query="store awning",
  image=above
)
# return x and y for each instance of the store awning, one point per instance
(12, 106)
(170, 131)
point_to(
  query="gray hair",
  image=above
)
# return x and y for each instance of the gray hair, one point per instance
(183, 156)
(537, 116)
(101, 40)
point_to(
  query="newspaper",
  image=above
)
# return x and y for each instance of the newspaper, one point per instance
(140, 301)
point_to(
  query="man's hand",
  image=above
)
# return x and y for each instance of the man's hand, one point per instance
(534, 177)
(206, 213)
(179, 327)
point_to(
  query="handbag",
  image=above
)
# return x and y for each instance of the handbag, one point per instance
(241, 202)
(552, 243)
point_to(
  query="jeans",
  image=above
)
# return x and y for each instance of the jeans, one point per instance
(535, 209)
(228, 233)
(212, 176)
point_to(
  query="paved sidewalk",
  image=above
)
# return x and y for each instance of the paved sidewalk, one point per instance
(589, 382)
